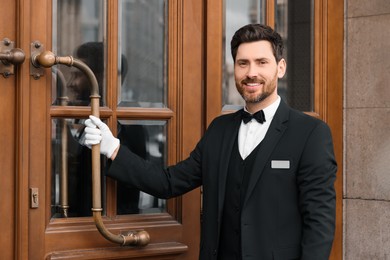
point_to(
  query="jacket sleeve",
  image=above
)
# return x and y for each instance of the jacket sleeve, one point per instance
(130, 169)
(165, 183)
(317, 198)
(168, 182)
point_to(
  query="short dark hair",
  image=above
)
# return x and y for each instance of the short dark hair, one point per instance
(92, 53)
(257, 32)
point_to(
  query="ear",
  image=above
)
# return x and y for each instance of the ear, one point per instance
(281, 68)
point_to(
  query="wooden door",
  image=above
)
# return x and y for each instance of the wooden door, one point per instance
(147, 58)
(313, 38)
(189, 97)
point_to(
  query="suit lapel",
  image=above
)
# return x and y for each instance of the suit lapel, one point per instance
(274, 133)
(229, 137)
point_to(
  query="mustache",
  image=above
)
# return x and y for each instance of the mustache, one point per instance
(246, 81)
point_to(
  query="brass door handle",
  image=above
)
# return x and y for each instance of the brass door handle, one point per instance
(138, 238)
(9, 57)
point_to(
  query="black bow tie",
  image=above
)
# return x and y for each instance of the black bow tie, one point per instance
(259, 116)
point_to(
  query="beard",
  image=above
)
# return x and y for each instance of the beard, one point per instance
(268, 89)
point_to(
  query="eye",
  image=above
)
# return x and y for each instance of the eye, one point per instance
(242, 63)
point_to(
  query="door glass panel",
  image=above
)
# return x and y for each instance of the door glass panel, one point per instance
(71, 170)
(237, 14)
(143, 55)
(79, 31)
(294, 21)
(148, 140)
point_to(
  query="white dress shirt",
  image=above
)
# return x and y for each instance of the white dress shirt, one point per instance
(252, 133)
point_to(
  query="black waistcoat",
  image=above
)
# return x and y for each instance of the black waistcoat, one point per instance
(236, 186)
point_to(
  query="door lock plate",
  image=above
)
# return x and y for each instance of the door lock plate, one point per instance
(34, 198)
(6, 69)
(35, 70)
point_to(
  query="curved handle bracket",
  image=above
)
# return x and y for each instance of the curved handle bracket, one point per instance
(136, 238)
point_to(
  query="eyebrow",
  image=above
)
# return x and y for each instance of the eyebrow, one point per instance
(257, 59)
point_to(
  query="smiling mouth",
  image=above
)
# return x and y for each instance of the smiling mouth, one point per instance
(253, 84)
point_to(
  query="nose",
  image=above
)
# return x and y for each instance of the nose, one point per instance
(252, 72)
(72, 81)
(70, 85)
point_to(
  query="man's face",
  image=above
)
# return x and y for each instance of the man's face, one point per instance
(256, 72)
(78, 87)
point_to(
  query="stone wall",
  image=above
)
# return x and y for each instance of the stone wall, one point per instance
(367, 130)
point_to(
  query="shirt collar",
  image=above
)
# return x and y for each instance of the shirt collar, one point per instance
(269, 111)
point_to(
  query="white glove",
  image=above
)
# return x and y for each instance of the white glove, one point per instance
(98, 132)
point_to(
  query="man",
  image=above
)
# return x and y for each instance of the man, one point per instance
(79, 86)
(268, 186)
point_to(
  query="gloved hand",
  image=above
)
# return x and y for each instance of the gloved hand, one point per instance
(98, 132)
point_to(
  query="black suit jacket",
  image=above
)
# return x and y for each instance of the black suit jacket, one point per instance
(288, 212)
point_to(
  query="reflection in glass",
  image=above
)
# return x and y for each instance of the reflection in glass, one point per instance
(294, 21)
(148, 140)
(237, 14)
(142, 48)
(79, 31)
(71, 170)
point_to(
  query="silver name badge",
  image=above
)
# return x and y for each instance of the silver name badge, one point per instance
(280, 164)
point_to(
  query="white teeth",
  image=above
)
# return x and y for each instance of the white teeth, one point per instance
(252, 84)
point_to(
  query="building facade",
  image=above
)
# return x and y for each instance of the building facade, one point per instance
(366, 130)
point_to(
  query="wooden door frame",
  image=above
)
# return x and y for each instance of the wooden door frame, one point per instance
(333, 38)
(23, 137)
(329, 29)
